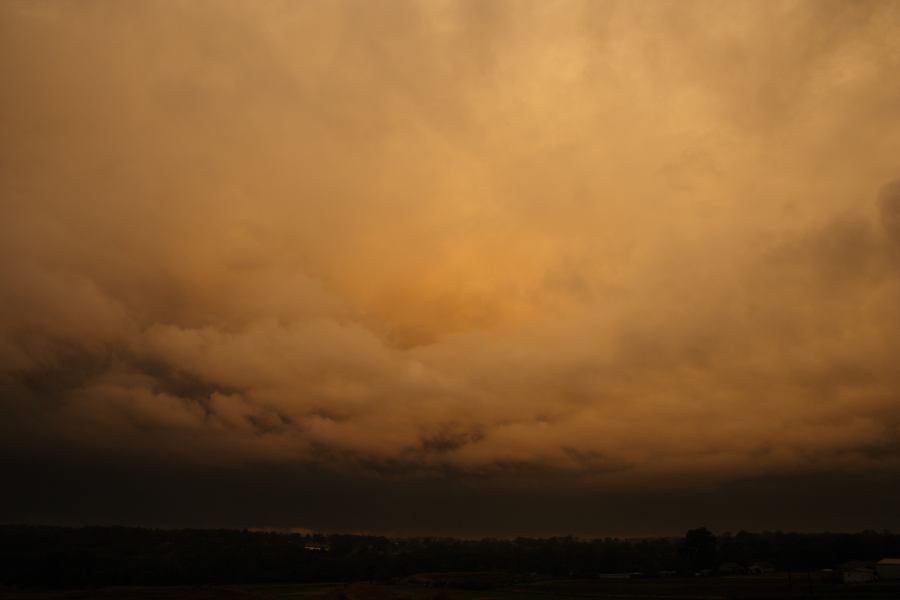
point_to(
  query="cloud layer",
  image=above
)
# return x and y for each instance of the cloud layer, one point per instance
(643, 246)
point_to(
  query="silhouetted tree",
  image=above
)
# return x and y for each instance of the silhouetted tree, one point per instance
(699, 546)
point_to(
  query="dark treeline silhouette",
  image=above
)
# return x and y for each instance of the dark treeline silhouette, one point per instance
(95, 556)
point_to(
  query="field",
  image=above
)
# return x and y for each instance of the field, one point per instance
(711, 588)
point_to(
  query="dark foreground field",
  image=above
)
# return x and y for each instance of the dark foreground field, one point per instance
(710, 588)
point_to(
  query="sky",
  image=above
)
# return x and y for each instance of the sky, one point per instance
(451, 267)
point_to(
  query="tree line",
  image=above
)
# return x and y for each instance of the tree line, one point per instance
(100, 556)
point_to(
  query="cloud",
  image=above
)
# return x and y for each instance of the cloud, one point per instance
(633, 246)
(889, 200)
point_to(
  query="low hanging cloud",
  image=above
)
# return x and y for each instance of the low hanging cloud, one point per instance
(647, 244)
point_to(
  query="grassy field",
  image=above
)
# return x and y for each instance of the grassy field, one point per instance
(713, 588)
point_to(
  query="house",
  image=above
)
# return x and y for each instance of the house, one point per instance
(857, 575)
(888, 568)
(857, 571)
(762, 568)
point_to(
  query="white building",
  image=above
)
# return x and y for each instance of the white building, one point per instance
(888, 568)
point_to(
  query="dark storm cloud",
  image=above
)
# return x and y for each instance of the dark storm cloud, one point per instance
(308, 497)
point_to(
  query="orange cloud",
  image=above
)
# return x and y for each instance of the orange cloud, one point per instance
(636, 242)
